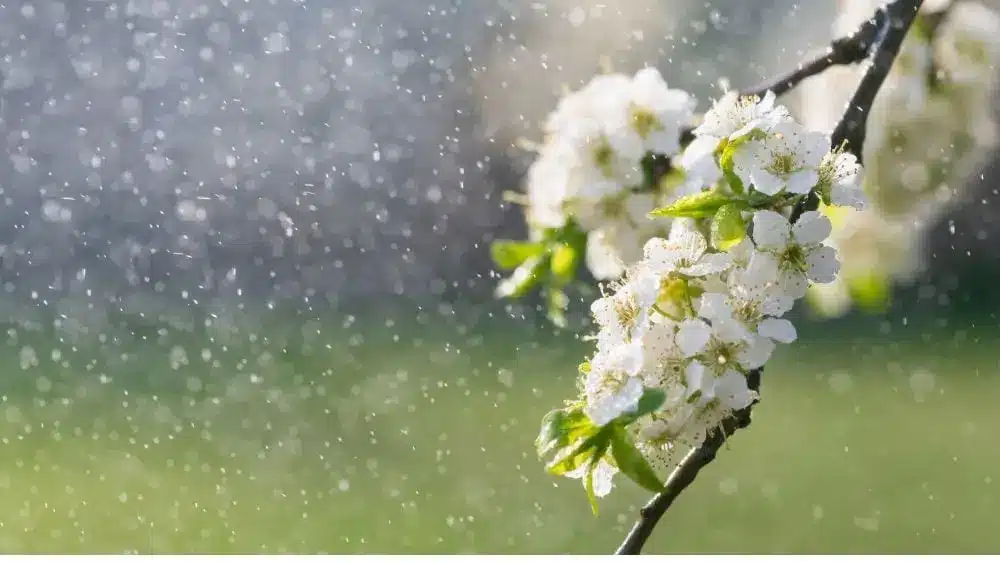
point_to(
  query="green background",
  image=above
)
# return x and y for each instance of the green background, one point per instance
(408, 429)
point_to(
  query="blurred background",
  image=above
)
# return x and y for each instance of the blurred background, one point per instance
(247, 294)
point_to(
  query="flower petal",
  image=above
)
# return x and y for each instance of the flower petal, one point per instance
(801, 181)
(697, 379)
(823, 264)
(602, 258)
(692, 336)
(711, 263)
(733, 390)
(731, 331)
(812, 228)
(713, 306)
(756, 353)
(793, 283)
(604, 474)
(770, 230)
(781, 330)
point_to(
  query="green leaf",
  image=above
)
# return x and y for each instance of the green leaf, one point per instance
(558, 302)
(726, 152)
(509, 254)
(561, 428)
(564, 261)
(524, 278)
(632, 463)
(552, 432)
(650, 401)
(588, 485)
(582, 453)
(728, 227)
(872, 292)
(588, 482)
(697, 206)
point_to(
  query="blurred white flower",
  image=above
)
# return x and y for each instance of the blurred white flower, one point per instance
(659, 113)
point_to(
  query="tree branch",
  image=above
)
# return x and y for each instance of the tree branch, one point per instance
(843, 51)
(685, 474)
(879, 38)
(897, 19)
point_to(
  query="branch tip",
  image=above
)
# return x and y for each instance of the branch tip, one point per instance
(879, 40)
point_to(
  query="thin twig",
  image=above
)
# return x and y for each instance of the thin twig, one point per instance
(685, 474)
(851, 129)
(881, 39)
(843, 51)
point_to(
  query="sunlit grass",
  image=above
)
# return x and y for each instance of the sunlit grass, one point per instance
(416, 437)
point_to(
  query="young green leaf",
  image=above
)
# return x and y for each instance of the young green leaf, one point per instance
(588, 482)
(558, 302)
(588, 485)
(562, 427)
(728, 227)
(509, 254)
(697, 206)
(594, 444)
(632, 463)
(872, 292)
(726, 164)
(650, 401)
(565, 258)
(524, 278)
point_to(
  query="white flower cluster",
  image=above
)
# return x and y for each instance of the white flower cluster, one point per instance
(590, 167)
(692, 319)
(931, 124)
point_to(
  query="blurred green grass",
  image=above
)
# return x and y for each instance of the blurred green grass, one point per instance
(411, 433)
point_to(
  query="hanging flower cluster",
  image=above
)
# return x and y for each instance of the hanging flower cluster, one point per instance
(930, 126)
(702, 305)
(621, 146)
(591, 168)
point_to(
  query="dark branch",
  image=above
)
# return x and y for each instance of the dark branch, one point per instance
(897, 19)
(685, 474)
(881, 38)
(848, 50)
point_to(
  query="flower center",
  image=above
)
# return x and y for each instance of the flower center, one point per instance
(747, 311)
(721, 356)
(604, 156)
(627, 310)
(782, 164)
(794, 257)
(974, 50)
(612, 207)
(644, 121)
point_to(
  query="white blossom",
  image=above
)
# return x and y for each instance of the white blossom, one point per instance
(624, 315)
(734, 116)
(612, 388)
(797, 249)
(685, 252)
(967, 46)
(698, 162)
(788, 159)
(840, 173)
(658, 113)
(683, 317)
